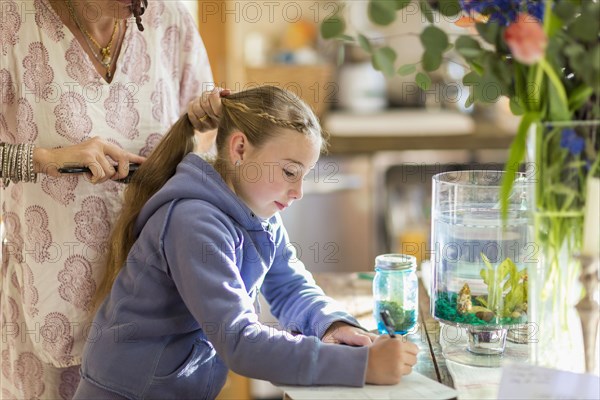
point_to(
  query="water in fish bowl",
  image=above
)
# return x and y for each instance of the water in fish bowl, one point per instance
(481, 266)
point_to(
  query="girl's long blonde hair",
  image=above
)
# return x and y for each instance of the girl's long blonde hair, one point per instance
(260, 113)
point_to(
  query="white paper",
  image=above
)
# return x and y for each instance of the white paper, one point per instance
(531, 382)
(413, 386)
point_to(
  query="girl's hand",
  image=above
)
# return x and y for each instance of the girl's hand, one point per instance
(204, 112)
(342, 333)
(91, 153)
(390, 359)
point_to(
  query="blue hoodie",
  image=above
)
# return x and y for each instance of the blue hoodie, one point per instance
(181, 311)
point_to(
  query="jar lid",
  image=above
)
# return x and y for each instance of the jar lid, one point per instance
(395, 262)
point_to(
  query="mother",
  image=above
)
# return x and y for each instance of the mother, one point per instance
(80, 84)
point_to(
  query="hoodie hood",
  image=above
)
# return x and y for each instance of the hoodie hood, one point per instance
(197, 179)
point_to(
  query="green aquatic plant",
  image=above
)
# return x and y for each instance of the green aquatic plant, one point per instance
(507, 288)
(404, 320)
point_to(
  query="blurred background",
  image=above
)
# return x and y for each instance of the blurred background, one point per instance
(372, 193)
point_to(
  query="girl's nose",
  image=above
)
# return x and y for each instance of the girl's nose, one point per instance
(296, 191)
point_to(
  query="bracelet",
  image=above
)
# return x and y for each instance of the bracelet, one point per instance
(32, 176)
(20, 162)
(4, 164)
(16, 161)
(1, 158)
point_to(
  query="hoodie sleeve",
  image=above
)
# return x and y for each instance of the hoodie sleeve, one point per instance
(295, 299)
(201, 248)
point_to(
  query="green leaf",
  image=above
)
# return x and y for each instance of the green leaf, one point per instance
(486, 261)
(503, 71)
(520, 95)
(426, 10)
(400, 4)
(489, 31)
(383, 60)
(557, 110)
(469, 101)
(560, 104)
(333, 27)
(574, 49)
(467, 47)
(471, 78)
(364, 43)
(591, 76)
(504, 269)
(482, 301)
(565, 10)
(554, 25)
(486, 89)
(515, 156)
(431, 60)
(595, 57)
(423, 81)
(579, 96)
(407, 69)
(515, 107)
(449, 8)
(346, 38)
(586, 25)
(382, 12)
(490, 89)
(434, 39)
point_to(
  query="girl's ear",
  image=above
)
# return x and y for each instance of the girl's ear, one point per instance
(238, 146)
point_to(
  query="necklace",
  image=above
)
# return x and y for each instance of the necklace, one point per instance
(104, 57)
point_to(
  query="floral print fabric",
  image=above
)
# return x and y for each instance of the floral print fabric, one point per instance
(55, 232)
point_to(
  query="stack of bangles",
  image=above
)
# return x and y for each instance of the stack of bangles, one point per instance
(16, 163)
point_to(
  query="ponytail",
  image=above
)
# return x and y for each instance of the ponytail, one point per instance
(148, 179)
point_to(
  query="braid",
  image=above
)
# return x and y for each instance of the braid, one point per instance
(138, 7)
(265, 112)
(297, 125)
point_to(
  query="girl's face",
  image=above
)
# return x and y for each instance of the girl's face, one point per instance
(269, 179)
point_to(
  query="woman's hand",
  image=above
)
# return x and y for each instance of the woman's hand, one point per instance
(390, 359)
(204, 112)
(343, 333)
(91, 153)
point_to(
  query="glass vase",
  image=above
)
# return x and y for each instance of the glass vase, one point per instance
(479, 273)
(560, 156)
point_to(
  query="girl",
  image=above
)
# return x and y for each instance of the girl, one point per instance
(197, 241)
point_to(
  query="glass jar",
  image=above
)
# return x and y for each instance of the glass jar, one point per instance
(480, 259)
(395, 289)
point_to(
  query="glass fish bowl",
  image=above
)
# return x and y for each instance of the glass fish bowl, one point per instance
(479, 278)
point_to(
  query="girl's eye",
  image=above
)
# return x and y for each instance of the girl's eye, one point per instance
(289, 174)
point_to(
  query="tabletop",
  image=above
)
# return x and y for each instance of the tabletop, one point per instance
(444, 357)
(354, 291)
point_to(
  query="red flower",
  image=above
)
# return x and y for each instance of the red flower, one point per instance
(526, 39)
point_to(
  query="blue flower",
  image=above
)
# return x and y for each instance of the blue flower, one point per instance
(504, 11)
(571, 141)
(536, 8)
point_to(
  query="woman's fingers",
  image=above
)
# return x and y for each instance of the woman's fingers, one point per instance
(204, 112)
(123, 159)
(104, 160)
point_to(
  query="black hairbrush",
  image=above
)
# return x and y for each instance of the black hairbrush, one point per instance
(80, 170)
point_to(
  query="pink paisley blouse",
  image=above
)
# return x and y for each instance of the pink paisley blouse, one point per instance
(55, 232)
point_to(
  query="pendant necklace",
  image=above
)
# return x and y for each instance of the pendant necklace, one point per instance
(104, 57)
